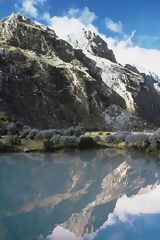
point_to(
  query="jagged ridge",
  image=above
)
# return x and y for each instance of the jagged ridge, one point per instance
(47, 82)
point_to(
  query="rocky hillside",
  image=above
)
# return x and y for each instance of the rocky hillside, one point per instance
(48, 82)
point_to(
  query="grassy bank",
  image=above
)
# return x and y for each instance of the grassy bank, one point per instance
(32, 140)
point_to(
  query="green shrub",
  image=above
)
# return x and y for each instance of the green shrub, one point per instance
(87, 142)
(12, 129)
(45, 134)
(155, 141)
(137, 141)
(12, 140)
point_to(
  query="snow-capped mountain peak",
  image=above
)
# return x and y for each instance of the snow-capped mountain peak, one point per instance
(55, 65)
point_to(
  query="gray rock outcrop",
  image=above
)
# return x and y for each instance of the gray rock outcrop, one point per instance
(46, 83)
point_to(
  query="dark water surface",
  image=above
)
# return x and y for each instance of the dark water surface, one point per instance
(90, 195)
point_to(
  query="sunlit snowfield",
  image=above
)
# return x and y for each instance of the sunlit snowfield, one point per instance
(96, 194)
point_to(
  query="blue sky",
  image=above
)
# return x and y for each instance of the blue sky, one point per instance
(139, 15)
(130, 27)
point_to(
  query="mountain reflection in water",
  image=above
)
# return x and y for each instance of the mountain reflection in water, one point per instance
(95, 194)
(135, 217)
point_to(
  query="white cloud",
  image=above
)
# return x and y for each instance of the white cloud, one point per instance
(126, 207)
(116, 27)
(59, 233)
(139, 204)
(47, 17)
(75, 20)
(71, 26)
(146, 60)
(69, 29)
(30, 7)
(84, 16)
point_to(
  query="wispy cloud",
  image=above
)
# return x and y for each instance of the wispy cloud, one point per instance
(148, 41)
(30, 7)
(84, 15)
(116, 27)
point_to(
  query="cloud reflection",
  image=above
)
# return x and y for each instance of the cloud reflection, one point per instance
(144, 203)
(138, 215)
(59, 233)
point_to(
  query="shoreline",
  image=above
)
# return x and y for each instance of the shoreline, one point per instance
(147, 142)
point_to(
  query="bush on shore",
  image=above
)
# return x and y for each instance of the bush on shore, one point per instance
(32, 133)
(45, 134)
(8, 142)
(74, 137)
(60, 142)
(12, 129)
(12, 140)
(154, 140)
(97, 139)
(116, 138)
(74, 131)
(3, 147)
(87, 142)
(137, 141)
(48, 134)
(3, 131)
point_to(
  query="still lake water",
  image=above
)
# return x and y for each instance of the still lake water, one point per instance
(90, 195)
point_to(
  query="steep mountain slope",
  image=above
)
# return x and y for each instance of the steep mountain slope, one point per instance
(47, 82)
(141, 91)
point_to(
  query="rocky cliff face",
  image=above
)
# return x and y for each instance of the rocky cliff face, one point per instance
(48, 82)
